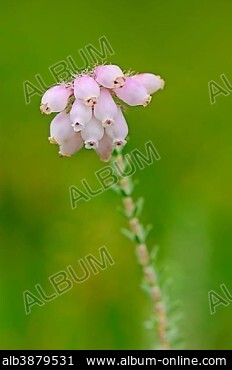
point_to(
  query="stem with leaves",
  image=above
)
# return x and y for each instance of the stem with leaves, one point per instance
(138, 234)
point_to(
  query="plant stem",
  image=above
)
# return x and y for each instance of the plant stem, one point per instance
(138, 234)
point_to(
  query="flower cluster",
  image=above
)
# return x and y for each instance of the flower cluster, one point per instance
(88, 113)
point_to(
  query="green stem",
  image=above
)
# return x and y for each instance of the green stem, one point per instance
(138, 235)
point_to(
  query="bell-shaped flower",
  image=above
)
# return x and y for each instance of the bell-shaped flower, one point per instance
(105, 148)
(86, 89)
(109, 76)
(119, 131)
(71, 145)
(80, 114)
(151, 82)
(92, 133)
(133, 93)
(55, 99)
(61, 128)
(106, 109)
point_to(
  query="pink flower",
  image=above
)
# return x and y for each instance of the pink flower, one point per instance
(105, 110)
(133, 93)
(86, 89)
(80, 114)
(61, 128)
(105, 148)
(119, 131)
(95, 119)
(55, 99)
(109, 76)
(72, 145)
(92, 133)
(151, 82)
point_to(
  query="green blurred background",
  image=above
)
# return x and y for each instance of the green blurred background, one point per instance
(187, 192)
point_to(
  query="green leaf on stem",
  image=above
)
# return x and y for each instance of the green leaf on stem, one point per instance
(139, 207)
(128, 234)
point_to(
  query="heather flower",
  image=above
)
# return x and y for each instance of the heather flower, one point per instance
(80, 114)
(55, 99)
(105, 110)
(133, 93)
(86, 89)
(119, 131)
(151, 82)
(89, 110)
(61, 128)
(109, 76)
(72, 145)
(92, 133)
(105, 148)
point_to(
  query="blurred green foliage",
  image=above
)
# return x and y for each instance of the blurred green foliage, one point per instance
(187, 192)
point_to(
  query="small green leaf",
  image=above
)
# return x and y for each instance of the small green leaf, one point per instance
(139, 207)
(128, 234)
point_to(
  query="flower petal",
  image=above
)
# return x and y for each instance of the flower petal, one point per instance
(80, 114)
(106, 109)
(110, 76)
(86, 89)
(92, 133)
(55, 99)
(151, 82)
(133, 93)
(71, 145)
(61, 128)
(105, 148)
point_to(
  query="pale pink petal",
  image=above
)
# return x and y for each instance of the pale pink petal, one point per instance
(151, 82)
(71, 145)
(55, 99)
(86, 89)
(133, 93)
(61, 128)
(80, 114)
(92, 133)
(106, 109)
(105, 148)
(119, 131)
(109, 76)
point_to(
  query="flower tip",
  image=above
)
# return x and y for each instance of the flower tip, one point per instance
(77, 126)
(62, 154)
(162, 82)
(90, 102)
(147, 100)
(119, 81)
(52, 140)
(44, 108)
(108, 123)
(118, 142)
(91, 144)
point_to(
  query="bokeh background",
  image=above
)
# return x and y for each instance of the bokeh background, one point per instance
(187, 192)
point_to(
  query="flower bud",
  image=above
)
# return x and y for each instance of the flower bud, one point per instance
(61, 128)
(87, 89)
(55, 99)
(80, 114)
(92, 133)
(133, 93)
(119, 131)
(105, 148)
(151, 82)
(105, 110)
(72, 145)
(109, 76)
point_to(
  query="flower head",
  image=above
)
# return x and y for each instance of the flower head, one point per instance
(88, 113)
